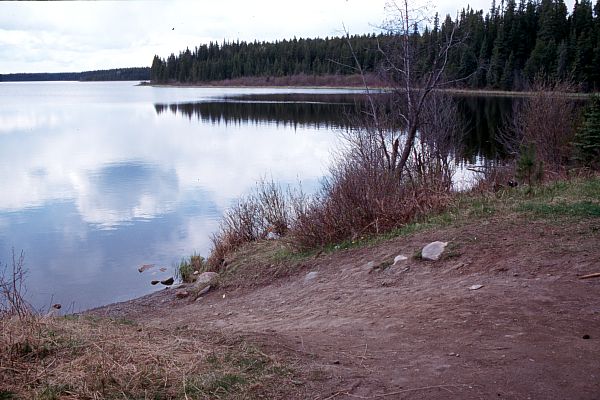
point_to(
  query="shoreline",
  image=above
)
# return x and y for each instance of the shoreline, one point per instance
(456, 91)
(507, 294)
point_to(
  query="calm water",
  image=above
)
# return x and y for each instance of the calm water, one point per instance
(101, 178)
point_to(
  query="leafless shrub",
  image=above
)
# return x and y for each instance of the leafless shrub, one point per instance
(363, 194)
(494, 176)
(354, 200)
(544, 122)
(12, 289)
(267, 210)
(437, 145)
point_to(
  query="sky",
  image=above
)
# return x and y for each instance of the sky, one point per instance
(73, 36)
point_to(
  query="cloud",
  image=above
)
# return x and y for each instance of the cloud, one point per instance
(85, 35)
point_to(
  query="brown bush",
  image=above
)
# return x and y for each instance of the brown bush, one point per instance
(545, 123)
(12, 289)
(266, 210)
(358, 200)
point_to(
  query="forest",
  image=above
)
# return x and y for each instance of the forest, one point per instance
(117, 74)
(504, 48)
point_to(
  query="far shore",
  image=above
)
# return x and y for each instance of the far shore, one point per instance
(239, 84)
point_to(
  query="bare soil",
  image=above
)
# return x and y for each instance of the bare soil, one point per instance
(415, 330)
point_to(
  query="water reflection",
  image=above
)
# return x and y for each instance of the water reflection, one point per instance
(481, 116)
(127, 191)
(325, 111)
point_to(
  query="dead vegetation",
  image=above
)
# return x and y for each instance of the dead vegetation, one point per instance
(540, 134)
(76, 357)
(91, 358)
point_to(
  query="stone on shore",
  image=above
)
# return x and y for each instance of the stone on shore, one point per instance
(399, 258)
(168, 282)
(206, 278)
(433, 251)
(310, 276)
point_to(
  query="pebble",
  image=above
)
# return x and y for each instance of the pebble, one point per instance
(168, 282)
(475, 287)
(310, 276)
(399, 258)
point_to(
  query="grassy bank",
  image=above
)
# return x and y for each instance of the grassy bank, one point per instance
(558, 202)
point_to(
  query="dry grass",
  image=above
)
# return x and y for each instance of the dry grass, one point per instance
(85, 358)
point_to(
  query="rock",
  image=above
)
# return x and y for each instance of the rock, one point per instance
(475, 287)
(399, 258)
(145, 267)
(206, 278)
(168, 282)
(433, 250)
(204, 290)
(310, 276)
(154, 283)
(204, 282)
(181, 293)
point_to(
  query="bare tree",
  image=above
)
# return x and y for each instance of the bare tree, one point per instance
(391, 131)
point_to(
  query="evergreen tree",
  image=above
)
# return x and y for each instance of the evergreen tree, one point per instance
(587, 139)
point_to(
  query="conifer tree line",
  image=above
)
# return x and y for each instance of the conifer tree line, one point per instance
(505, 48)
(117, 74)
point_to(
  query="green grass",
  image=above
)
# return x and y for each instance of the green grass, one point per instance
(213, 385)
(52, 392)
(232, 373)
(580, 209)
(187, 266)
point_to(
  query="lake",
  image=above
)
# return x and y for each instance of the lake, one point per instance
(99, 179)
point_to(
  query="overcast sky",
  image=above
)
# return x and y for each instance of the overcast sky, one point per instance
(78, 36)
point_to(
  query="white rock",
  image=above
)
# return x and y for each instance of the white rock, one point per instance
(399, 258)
(310, 276)
(433, 250)
(475, 287)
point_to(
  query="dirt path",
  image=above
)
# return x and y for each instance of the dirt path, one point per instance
(416, 330)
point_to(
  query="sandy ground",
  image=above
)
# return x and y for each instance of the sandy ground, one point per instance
(415, 330)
